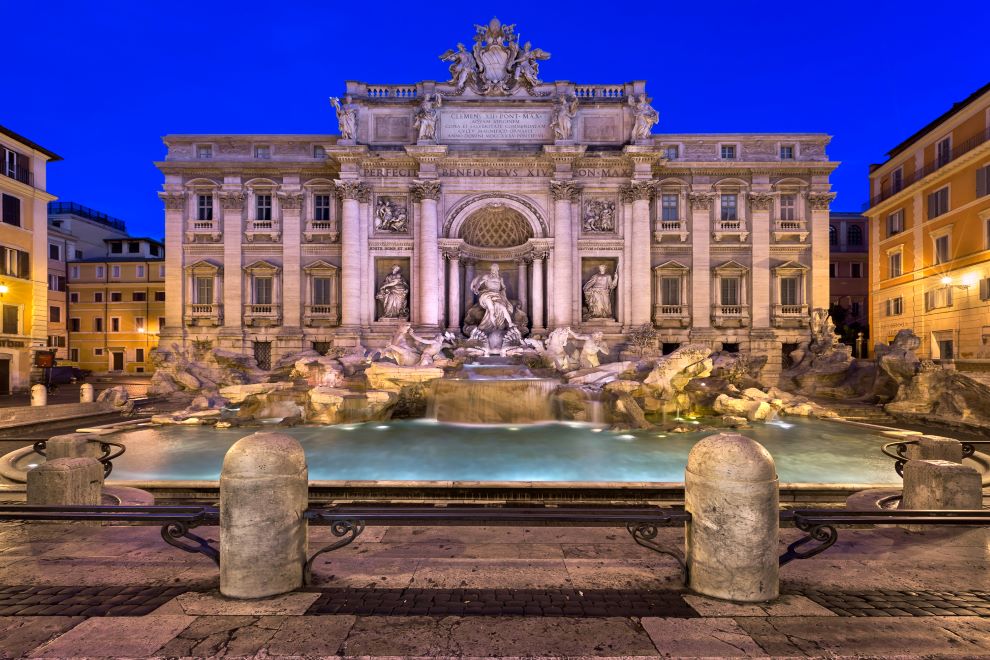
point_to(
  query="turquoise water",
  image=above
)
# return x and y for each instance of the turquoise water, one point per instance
(423, 450)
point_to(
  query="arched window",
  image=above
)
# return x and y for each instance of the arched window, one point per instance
(855, 235)
(833, 235)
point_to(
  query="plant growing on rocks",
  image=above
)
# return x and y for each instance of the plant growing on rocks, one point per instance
(644, 338)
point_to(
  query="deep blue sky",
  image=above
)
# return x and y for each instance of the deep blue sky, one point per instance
(99, 83)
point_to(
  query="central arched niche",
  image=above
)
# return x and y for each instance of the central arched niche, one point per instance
(496, 226)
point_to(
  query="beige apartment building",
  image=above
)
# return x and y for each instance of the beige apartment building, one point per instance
(930, 234)
(24, 311)
(117, 306)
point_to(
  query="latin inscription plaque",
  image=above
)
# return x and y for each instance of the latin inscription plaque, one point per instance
(495, 125)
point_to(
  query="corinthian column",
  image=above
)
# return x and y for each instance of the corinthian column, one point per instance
(641, 302)
(428, 253)
(351, 260)
(521, 283)
(536, 310)
(561, 310)
(453, 292)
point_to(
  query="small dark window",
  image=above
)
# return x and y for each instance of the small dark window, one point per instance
(74, 325)
(730, 347)
(10, 320)
(54, 314)
(159, 296)
(98, 296)
(133, 247)
(116, 247)
(54, 252)
(139, 296)
(11, 210)
(116, 296)
(139, 355)
(669, 347)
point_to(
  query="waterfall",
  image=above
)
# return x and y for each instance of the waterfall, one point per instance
(492, 400)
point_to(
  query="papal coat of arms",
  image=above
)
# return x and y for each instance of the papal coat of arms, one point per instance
(496, 64)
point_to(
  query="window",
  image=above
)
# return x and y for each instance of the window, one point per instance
(937, 298)
(729, 207)
(204, 207)
(263, 207)
(139, 296)
(15, 263)
(670, 291)
(139, 355)
(204, 290)
(115, 271)
(788, 207)
(114, 324)
(833, 235)
(787, 152)
(155, 250)
(856, 269)
(833, 270)
(79, 254)
(116, 247)
(983, 181)
(945, 349)
(133, 247)
(321, 207)
(942, 249)
(728, 152)
(669, 208)
(98, 352)
(74, 272)
(985, 288)
(56, 283)
(98, 325)
(159, 296)
(54, 314)
(15, 165)
(98, 296)
(11, 210)
(943, 151)
(729, 290)
(139, 271)
(204, 151)
(671, 152)
(321, 290)
(896, 180)
(263, 291)
(56, 341)
(895, 222)
(10, 314)
(139, 323)
(938, 202)
(161, 270)
(319, 151)
(161, 322)
(75, 325)
(894, 265)
(789, 294)
(855, 308)
(855, 235)
(895, 306)
(73, 297)
(54, 252)
(116, 296)
(74, 355)
(263, 151)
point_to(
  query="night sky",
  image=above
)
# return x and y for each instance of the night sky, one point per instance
(99, 83)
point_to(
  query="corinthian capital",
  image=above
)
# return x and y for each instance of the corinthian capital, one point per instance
(232, 200)
(290, 200)
(637, 190)
(353, 190)
(761, 201)
(701, 201)
(564, 191)
(425, 190)
(174, 201)
(819, 201)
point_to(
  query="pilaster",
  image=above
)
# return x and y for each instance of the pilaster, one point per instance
(351, 254)
(701, 263)
(290, 203)
(175, 203)
(232, 200)
(818, 204)
(760, 204)
(427, 193)
(640, 192)
(564, 194)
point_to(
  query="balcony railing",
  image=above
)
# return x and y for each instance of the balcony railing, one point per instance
(322, 314)
(730, 228)
(935, 165)
(798, 228)
(56, 208)
(18, 174)
(262, 314)
(665, 228)
(204, 314)
(736, 315)
(791, 315)
(671, 315)
(325, 229)
(269, 228)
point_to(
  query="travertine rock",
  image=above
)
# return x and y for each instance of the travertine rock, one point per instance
(672, 372)
(599, 375)
(237, 393)
(751, 410)
(116, 396)
(393, 378)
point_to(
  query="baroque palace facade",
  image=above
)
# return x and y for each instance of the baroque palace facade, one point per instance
(277, 243)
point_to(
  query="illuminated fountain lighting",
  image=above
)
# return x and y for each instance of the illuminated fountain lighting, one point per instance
(382, 427)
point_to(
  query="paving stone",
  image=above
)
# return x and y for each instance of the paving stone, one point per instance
(114, 636)
(310, 636)
(704, 637)
(19, 635)
(785, 605)
(212, 603)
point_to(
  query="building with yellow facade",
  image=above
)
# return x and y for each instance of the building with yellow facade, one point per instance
(930, 235)
(117, 306)
(24, 309)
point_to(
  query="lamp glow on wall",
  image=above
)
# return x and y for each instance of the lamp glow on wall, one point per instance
(967, 280)
(3, 289)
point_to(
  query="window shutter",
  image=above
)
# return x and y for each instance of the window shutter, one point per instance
(888, 307)
(982, 179)
(985, 288)
(23, 264)
(928, 300)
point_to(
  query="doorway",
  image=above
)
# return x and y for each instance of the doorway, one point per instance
(118, 360)
(4, 377)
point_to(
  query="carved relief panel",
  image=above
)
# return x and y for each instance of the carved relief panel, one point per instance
(598, 215)
(391, 214)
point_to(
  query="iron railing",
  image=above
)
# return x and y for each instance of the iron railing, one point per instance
(55, 208)
(18, 174)
(111, 450)
(898, 451)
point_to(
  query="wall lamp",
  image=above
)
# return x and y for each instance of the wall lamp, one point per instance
(3, 289)
(968, 280)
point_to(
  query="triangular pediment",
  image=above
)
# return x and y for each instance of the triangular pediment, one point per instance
(204, 266)
(731, 267)
(671, 265)
(261, 266)
(790, 266)
(320, 264)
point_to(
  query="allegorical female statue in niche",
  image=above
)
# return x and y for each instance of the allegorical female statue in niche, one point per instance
(598, 294)
(394, 295)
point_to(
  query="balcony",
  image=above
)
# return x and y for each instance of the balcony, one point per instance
(670, 229)
(204, 315)
(262, 315)
(203, 231)
(671, 316)
(321, 231)
(790, 229)
(322, 315)
(730, 316)
(791, 316)
(21, 174)
(266, 230)
(730, 229)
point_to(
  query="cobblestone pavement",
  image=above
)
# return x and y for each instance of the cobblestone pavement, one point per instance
(69, 590)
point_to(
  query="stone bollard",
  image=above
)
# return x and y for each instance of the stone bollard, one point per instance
(86, 393)
(731, 492)
(72, 445)
(39, 395)
(264, 490)
(935, 448)
(66, 481)
(940, 485)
